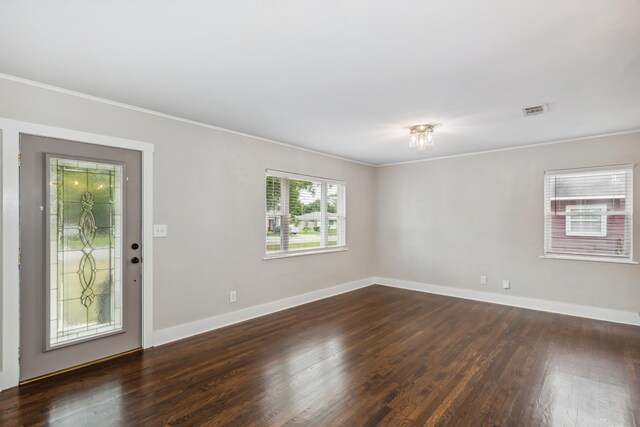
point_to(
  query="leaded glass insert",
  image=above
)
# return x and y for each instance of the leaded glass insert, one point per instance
(85, 238)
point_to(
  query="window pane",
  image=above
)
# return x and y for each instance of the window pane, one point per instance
(586, 227)
(273, 194)
(303, 214)
(336, 214)
(589, 212)
(274, 214)
(306, 216)
(85, 294)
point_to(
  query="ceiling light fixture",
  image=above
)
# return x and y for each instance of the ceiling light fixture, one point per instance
(421, 136)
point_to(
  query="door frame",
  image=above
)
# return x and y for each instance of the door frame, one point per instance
(11, 130)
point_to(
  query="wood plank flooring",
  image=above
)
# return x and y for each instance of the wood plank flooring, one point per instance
(375, 356)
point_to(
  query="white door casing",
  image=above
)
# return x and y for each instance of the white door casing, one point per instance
(11, 130)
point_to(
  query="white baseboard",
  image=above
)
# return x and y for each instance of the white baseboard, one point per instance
(185, 330)
(174, 333)
(617, 316)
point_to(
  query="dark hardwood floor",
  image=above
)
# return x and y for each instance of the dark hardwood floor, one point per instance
(376, 356)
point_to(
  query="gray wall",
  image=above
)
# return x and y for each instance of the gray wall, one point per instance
(447, 222)
(209, 190)
(443, 222)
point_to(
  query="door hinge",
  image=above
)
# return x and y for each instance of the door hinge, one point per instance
(19, 258)
(19, 159)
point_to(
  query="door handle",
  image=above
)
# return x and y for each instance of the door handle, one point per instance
(135, 260)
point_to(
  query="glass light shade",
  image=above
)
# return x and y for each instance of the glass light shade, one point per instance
(421, 137)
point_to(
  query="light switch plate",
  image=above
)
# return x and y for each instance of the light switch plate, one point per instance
(159, 230)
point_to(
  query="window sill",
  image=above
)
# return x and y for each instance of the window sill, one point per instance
(588, 258)
(301, 253)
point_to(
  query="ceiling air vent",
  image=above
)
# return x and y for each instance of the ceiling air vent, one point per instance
(536, 109)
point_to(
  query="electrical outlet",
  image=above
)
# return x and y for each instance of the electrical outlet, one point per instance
(159, 230)
(506, 284)
(483, 280)
(233, 296)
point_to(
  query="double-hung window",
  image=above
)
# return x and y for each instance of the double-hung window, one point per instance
(589, 213)
(593, 224)
(304, 214)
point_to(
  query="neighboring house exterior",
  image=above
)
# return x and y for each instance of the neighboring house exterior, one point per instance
(579, 233)
(312, 220)
(308, 221)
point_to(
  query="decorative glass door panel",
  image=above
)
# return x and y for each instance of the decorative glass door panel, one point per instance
(84, 297)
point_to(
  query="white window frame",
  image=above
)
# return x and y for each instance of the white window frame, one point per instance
(341, 244)
(570, 220)
(549, 254)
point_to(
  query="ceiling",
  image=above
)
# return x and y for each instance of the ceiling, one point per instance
(346, 77)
